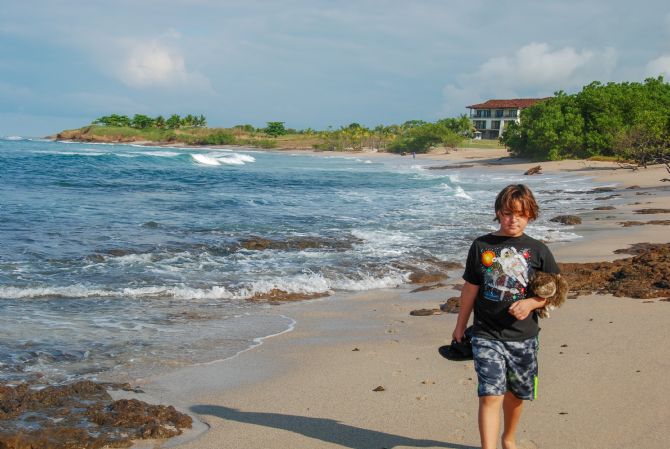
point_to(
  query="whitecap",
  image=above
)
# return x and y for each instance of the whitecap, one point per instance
(81, 153)
(13, 138)
(236, 159)
(460, 193)
(205, 160)
(158, 153)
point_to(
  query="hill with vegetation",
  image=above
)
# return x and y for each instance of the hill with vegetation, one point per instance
(412, 136)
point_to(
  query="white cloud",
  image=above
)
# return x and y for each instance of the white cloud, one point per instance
(659, 66)
(155, 64)
(534, 70)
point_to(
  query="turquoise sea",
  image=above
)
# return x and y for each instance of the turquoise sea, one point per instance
(121, 260)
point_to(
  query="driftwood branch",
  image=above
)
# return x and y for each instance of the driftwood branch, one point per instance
(534, 170)
(628, 166)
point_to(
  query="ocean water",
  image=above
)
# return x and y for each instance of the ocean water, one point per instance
(117, 260)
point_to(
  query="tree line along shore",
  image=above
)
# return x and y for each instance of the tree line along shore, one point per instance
(627, 121)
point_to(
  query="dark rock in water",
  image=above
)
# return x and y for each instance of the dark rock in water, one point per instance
(604, 208)
(423, 277)
(453, 305)
(427, 270)
(119, 252)
(652, 211)
(151, 225)
(537, 170)
(424, 312)
(608, 197)
(80, 415)
(567, 219)
(281, 295)
(603, 189)
(447, 167)
(96, 258)
(644, 276)
(633, 187)
(298, 243)
(428, 287)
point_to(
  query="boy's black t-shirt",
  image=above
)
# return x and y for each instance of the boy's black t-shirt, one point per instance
(501, 266)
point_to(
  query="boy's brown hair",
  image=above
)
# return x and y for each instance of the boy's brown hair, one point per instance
(515, 194)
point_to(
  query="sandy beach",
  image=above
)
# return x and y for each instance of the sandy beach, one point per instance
(603, 359)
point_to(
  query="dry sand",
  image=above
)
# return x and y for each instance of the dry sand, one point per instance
(603, 363)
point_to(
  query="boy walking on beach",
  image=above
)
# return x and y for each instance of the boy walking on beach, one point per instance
(505, 327)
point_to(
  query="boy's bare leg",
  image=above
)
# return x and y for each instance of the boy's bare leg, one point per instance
(489, 420)
(512, 407)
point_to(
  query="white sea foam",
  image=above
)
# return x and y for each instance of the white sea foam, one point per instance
(305, 283)
(552, 235)
(232, 160)
(218, 159)
(369, 282)
(13, 138)
(381, 237)
(159, 153)
(81, 153)
(205, 160)
(460, 193)
(236, 159)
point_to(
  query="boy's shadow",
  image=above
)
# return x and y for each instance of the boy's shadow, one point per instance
(327, 430)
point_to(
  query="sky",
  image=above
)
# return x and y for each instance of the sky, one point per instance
(310, 63)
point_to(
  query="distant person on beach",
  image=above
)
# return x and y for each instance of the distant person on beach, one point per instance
(505, 327)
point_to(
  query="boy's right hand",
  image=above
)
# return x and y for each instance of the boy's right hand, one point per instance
(458, 334)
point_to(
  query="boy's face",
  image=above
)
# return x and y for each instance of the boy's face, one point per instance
(513, 222)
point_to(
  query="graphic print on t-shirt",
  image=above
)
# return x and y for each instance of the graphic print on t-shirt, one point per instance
(505, 274)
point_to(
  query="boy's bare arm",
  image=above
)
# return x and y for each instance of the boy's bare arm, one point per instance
(468, 296)
(521, 309)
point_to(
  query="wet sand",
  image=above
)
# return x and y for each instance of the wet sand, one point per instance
(603, 360)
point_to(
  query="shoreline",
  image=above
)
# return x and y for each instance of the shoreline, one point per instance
(313, 386)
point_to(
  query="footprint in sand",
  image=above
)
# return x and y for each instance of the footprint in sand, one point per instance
(467, 381)
(528, 444)
(461, 414)
(457, 435)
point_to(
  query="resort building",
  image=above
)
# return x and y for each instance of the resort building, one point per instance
(492, 117)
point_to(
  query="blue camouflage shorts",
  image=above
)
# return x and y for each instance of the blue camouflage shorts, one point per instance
(503, 366)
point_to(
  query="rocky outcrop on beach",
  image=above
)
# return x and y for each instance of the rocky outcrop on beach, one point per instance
(80, 415)
(646, 275)
(629, 223)
(567, 219)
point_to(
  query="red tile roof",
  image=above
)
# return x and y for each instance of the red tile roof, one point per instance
(519, 103)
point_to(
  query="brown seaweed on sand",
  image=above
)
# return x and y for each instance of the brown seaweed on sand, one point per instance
(646, 275)
(80, 415)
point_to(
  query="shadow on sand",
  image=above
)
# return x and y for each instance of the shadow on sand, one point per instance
(327, 430)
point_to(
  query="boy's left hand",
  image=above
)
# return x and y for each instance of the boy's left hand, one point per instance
(522, 308)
